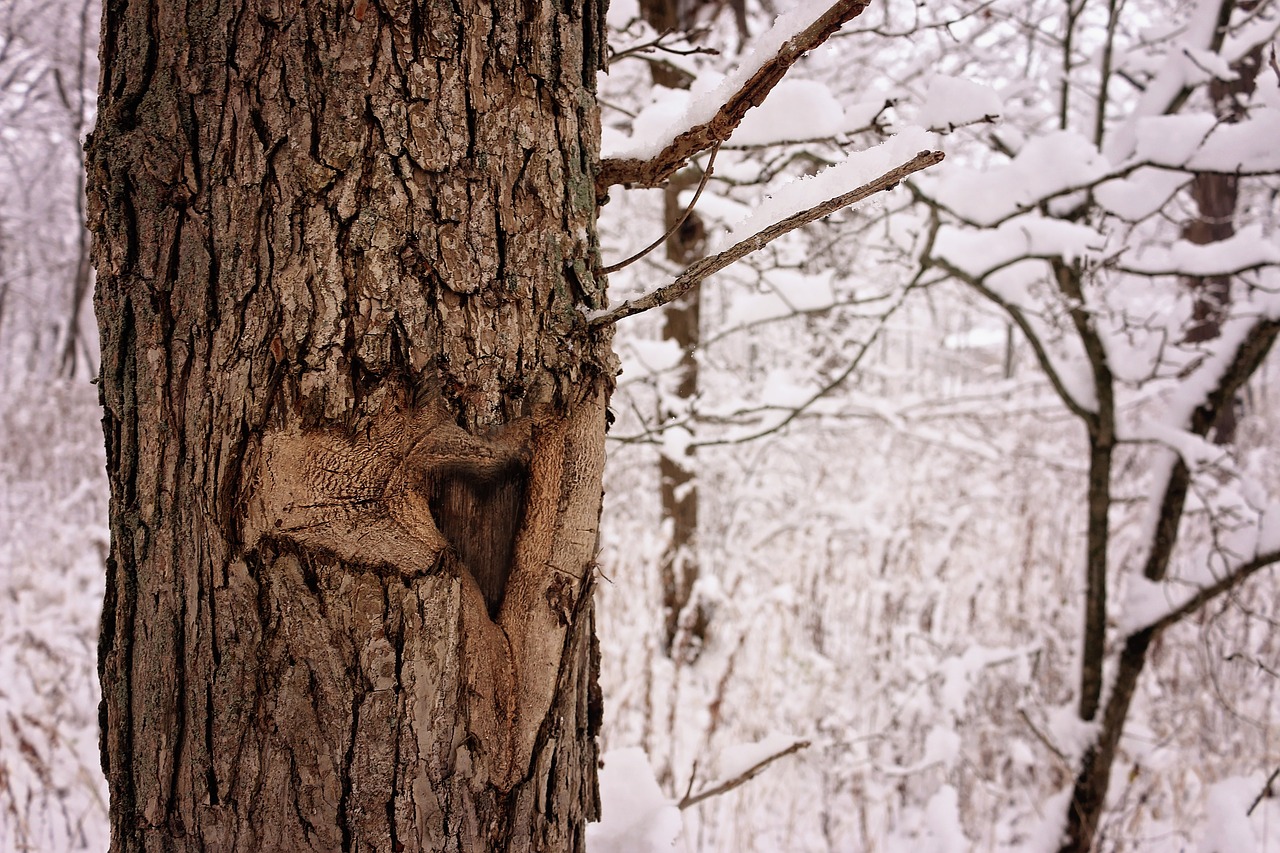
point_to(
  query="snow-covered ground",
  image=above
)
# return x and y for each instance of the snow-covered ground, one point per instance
(53, 541)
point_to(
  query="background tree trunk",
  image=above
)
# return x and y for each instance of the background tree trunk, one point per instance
(354, 423)
(678, 567)
(1216, 195)
(685, 619)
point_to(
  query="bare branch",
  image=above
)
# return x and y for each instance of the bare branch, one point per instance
(1209, 593)
(742, 778)
(1045, 739)
(675, 226)
(652, 172)
(822, 392)
(1265, 792)
(1020, 319)
(699, 271)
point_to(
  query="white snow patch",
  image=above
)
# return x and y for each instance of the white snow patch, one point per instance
(1178, 70)
(781, 389)
(622, 12)
(1141, 194)
(952, 102)
(635, 816)
(675, 442)
(1049, 832)
(1070, 734)
(795, 110)
(1200, 143)
(941, 746)
(943, 831)
(979, 251)
(1046, 166)
(937, 830)
(644, 357)
(1146, 601)
(1269, 530)
(790, 292)
(1249, 247)
(1227, 829)
(736, 760)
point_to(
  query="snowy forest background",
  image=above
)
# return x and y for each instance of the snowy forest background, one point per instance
(866, 488)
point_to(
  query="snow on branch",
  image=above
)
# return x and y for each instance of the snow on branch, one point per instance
(1059, 166)
(1248, 249)
(713, 119)
(1195, 57)
(786, 222)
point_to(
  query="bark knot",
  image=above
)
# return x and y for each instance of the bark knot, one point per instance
(404, 493)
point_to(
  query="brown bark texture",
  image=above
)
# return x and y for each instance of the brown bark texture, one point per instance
(354, 421)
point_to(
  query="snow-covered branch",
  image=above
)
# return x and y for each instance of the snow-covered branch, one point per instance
(712, 121)
(1062, 166)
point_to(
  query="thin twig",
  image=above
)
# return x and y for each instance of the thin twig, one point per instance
(700, 270)
(702, 184)
(693, 775)
(1044, 739)
(742, 778)
(1209, 593)
(1265, 792)
(1023, 322)
(826, 389)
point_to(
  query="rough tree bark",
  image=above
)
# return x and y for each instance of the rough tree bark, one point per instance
(354, 421)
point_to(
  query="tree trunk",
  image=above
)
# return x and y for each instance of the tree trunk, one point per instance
(685, 619)
(74, 101)
(684, 622)
(1216, 195)
(354, 422)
